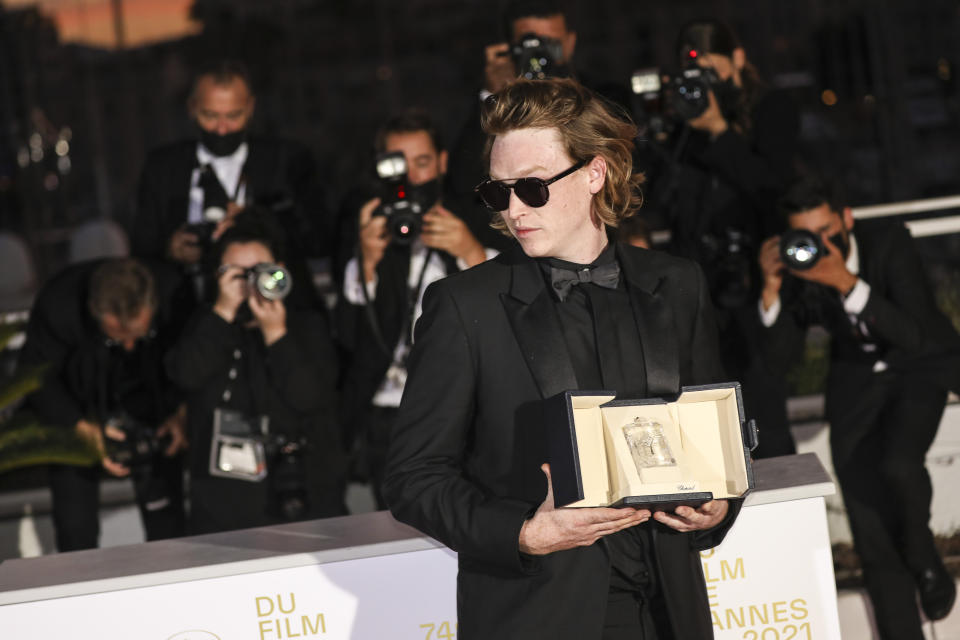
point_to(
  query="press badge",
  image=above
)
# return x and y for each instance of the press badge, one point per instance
(237, 450)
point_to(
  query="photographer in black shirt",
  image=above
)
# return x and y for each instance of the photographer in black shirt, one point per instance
(716, 188)
(259, 380)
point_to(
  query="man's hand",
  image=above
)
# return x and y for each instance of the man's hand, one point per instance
(271, 316)
(772, 267)
(176, 427)
(499, 68)
(232, 292)
(373, 238)
(445, 231)
(184, 247)
(711, 120)
(706, 516)
(232, 210)
(830, 270)
(551, 529)
(91, 432)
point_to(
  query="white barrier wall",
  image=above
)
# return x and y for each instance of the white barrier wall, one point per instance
(368, 577)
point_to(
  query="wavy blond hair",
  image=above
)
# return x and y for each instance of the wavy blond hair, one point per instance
(589, 126)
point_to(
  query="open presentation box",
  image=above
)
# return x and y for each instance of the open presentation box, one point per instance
(707, 437)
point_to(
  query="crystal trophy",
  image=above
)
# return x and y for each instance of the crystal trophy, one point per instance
(648, 444)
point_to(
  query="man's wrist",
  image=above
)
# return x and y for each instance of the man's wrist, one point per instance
(370, 270)
(846, 284)
(225, 312)
(273, 334)
(718, 128)
(769, 296)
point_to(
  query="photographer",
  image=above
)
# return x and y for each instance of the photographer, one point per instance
(384, 283)
(893, 357)
(532, 30)
(259, 380)
(191, 190)
(97, 330)
(715, 185)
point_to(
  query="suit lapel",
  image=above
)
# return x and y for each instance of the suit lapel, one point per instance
(536, 326)
(654, 318)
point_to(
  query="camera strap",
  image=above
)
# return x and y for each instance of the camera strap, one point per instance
(413, 294)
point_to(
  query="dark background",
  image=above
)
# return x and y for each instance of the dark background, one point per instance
(327, 72)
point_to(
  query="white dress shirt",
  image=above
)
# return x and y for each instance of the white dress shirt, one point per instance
(228, 170)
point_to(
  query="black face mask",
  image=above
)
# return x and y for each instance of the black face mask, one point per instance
(222, 145)
(728, 98)
(427, 194)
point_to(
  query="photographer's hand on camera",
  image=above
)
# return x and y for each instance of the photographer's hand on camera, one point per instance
(92, 433)
(499, 68)
(232, 292)
(373, 238)
(176, 428)
(830, 270)
(185, 247)
(271, 316)
(445, 231)
(711, 120)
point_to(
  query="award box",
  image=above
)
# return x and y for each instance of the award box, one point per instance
(696, 445)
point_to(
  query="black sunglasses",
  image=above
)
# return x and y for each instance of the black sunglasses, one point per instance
(532, 191)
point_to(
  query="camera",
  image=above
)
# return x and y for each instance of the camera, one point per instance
(271, 281)
(287, 477)
(537, 57)
(660, 97)
(800, 249)
(401, 203)
(139, 446)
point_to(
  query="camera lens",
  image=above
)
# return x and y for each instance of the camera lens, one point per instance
(801, 249)
(271, 281)
(404, 226)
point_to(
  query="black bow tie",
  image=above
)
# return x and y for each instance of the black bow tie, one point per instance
(605, 275)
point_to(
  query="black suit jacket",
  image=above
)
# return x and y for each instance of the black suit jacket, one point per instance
(67, 341)
(390, 309)
(279, 174)
(901, 316)
(464, 464)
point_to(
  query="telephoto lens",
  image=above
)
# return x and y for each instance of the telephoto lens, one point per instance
(271, 281)
(801, 249)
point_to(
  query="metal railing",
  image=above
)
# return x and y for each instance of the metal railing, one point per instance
(918, 228)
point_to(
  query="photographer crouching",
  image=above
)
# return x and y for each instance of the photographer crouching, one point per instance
(259, 380)
(98, 329)
(893, 357)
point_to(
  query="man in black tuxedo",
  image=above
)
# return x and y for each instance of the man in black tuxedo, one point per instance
(191, 190)
(384, 283)
(468, 451)
(894, 356)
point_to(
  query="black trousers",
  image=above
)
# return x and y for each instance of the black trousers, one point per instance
(630, 616)
(880, 435)
(76, 502)
(376, 424)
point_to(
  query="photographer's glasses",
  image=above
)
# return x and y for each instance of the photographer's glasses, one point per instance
(533, 192)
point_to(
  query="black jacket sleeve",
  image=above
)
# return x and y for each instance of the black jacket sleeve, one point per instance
(426, 483)
(47, 348)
